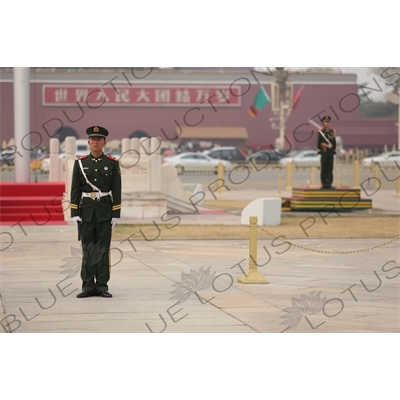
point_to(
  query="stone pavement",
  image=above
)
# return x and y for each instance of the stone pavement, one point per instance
(191, 285)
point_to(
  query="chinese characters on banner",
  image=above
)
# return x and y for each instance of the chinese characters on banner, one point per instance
(150, 95)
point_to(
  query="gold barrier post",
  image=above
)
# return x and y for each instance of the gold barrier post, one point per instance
(279, 185)
(252, 275)
(289, 176)
(252, 166)
(376, 175)
(356, 174)
(220, 174)
(397, 194)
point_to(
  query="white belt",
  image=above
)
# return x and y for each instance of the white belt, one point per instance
(95, 195)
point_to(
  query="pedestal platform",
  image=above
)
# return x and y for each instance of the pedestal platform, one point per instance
(310, 199)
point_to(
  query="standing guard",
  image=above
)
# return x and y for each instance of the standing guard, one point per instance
(95, 206)
(326, 147)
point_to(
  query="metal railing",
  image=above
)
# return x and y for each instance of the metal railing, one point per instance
(272, 176)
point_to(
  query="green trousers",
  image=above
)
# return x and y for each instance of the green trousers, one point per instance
(96, 241)
(327, 170)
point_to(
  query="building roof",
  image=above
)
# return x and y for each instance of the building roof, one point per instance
(128, 76)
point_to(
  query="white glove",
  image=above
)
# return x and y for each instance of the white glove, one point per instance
(113, 222)
(76, 220)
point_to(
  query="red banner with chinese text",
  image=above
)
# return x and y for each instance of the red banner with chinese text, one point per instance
(142, 96)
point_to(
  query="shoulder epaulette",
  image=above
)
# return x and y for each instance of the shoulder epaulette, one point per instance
(80, 158)
(111, 157)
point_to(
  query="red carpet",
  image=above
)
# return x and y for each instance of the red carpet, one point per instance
(32, 203)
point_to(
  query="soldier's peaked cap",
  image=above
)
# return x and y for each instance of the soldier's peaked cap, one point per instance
(326, 118)
(97, 131)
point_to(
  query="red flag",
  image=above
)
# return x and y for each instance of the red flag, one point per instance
(296, 98)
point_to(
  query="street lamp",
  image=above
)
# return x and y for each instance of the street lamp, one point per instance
(396, 100)
(398, 120)
(281, 102)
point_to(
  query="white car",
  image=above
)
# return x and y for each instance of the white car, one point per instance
(188, 161)
(304, 158)
(384, 159)
(229, 153)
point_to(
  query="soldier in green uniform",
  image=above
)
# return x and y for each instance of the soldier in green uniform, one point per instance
(326, 147)
(95, 204)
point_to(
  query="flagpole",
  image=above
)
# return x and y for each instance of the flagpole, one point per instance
(281, 126)
(398, 121)
(22, 124)
(281, 78)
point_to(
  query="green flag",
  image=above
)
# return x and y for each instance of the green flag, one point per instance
(260, 101)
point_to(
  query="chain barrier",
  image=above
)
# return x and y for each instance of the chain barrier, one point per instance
(332, 252)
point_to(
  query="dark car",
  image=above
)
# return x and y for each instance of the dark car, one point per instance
(7, 157)
(265, 157)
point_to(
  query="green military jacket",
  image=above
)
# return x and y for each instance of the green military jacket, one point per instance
(103, 172)
(330, 135)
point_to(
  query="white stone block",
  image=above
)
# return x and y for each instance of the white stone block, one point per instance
(194, 193)
(267, 210)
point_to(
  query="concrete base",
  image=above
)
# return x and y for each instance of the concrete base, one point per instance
(267, 210)
(252, 276)
(143, 206)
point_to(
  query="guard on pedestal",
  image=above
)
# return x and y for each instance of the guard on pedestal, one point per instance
(326, 147)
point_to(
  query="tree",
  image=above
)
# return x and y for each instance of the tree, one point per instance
(138, 134)
(391, 75)
(378, 110)
(323, 70)
(65, 132)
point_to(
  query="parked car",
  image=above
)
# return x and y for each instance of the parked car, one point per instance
(188, 161)
(7, 157)
(229, 153)
(265, 157)
(292, 153)
(37, 160)
(305, 158)
(384, 159)
(82, 146)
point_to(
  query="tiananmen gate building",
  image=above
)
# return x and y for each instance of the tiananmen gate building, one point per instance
(189, 104)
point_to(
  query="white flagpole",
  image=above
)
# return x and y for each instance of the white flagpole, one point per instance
(315, 124)
(22, 124)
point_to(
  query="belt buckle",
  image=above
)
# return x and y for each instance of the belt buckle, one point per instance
(93, 195)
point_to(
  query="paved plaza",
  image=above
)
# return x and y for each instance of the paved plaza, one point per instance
(192, 285)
